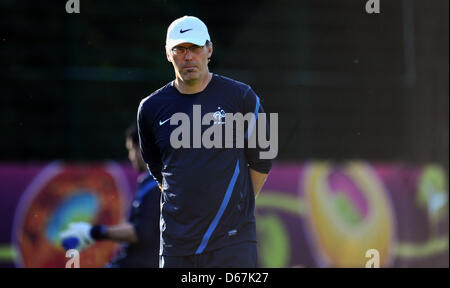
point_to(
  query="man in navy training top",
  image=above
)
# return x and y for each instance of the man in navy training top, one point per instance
(208, 194)
(140, 234)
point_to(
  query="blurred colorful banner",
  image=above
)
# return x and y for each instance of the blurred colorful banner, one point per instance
(316, 214)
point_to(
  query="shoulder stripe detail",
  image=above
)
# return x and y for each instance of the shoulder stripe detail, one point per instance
(251, 126)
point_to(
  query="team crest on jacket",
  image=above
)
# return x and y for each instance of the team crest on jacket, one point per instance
(219, 116)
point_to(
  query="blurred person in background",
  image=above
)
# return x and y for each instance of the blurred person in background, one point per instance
(140, 234)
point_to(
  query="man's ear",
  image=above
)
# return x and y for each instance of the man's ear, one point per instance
(210, 50)
(168, 56)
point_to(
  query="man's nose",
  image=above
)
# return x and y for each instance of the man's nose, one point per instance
(188, 54)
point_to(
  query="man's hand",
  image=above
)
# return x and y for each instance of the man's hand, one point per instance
(258, 180)
(77, 236)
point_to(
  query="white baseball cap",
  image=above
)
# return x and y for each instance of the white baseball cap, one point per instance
(187, 29)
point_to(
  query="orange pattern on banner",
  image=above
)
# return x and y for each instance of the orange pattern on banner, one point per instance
(36, 249)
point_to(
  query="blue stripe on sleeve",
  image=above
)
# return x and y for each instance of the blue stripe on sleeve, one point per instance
(144, 190)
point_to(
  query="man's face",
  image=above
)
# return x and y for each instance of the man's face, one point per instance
(134, 155)
(190, 61)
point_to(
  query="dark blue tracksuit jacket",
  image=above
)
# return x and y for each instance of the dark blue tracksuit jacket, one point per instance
(207, 200)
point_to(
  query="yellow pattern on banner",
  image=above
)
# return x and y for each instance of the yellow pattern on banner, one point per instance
(7, 253)
(434, 246)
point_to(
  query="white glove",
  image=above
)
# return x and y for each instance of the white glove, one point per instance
(77, 236)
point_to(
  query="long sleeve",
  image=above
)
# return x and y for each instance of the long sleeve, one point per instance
(252, 104)
(149, 149)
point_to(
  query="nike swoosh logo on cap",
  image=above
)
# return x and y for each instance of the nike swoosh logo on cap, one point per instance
(162, 122)
(182, 31)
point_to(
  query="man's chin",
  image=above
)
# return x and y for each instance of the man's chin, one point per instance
(191, 76)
